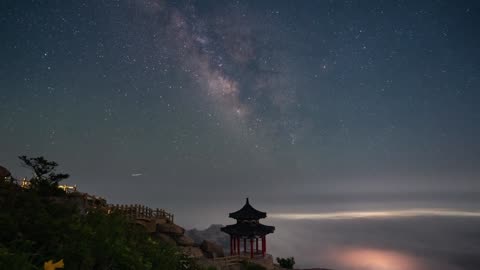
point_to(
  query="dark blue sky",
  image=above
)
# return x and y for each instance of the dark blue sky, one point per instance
(301, 99)
(304, 106)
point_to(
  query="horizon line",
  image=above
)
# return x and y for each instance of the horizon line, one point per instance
(405, 213)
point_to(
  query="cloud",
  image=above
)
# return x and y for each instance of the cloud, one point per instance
(375, 259)
(378, 214)
(420, 242)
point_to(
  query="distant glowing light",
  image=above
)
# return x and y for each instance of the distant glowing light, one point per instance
(379, 214)
(375, 259)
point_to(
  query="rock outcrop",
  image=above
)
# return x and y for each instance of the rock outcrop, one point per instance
(170, 229)
(212, 234)
(172, 234)
(211, 249)
(184, 241)
(164, 238)
(193, 252)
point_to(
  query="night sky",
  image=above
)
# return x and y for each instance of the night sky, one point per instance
(303, 106)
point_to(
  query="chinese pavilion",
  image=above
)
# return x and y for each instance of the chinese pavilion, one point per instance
(248, 228)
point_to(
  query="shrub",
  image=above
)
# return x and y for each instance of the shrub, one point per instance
(287, 263)
(34, 229)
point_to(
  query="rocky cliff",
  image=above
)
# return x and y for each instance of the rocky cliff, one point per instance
(212, 234)
(175, 235)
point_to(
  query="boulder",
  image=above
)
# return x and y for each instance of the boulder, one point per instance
(160, 221)
(164, 238)
(184, 241)
(171, 229)
(193, 252)
(211, 249)
(149, 224)
(212, 234)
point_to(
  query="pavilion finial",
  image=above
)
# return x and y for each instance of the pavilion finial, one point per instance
(248, 201)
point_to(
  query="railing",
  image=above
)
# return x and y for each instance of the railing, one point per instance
(136, 211)
(133, 211)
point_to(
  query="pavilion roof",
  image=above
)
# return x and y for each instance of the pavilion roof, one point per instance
(247, 212)
(248, 229)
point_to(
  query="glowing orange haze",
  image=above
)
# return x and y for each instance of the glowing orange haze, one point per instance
(374, 259)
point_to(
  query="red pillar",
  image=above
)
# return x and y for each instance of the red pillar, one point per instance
(234, 245)
(245, 245)
(264, 245)
(238, 245)
(251, 248)
(256, 245)
(237, 248)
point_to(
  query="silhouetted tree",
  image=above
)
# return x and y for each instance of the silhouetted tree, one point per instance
(286, 263)
(45, 179)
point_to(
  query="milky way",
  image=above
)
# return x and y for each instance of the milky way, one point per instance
(326, 109)
(231, 68)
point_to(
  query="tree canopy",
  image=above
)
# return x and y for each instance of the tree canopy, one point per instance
(45, 178)
(36, 227)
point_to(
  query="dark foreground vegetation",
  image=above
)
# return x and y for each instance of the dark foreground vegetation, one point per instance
(39, 224)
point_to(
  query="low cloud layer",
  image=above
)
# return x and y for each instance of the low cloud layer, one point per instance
(414, 243)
